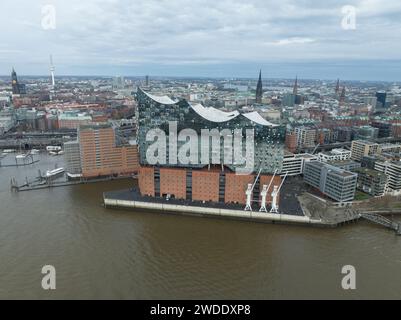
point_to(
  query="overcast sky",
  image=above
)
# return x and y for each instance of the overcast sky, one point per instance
(228, 38)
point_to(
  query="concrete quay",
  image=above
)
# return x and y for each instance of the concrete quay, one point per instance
(131, 200)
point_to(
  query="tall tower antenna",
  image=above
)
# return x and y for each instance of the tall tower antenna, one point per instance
(52, 72)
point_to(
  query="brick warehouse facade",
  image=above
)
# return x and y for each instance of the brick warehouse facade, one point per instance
(146, 181)
(205, 185)
(173, 181)
(276, 182)
(201, 184)
(235, 187)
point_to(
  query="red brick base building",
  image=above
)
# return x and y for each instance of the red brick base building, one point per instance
(204, 184)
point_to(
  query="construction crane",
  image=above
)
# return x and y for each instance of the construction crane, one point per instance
(276, 190)
(249, 191)
(314, 150)
(264, 193)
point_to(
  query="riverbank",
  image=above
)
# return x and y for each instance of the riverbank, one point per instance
(131, 199)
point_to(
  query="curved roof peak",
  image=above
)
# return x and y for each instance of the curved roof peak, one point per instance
(160, 99)
(213, 114)
(254, 116)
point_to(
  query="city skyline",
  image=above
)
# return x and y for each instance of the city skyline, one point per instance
(201, 38)
(313, 71)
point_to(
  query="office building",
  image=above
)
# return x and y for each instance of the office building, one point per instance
(336, 183)
(371, 181)
(384, 128)
(288, 100)
(294, 164)
(381, 99)
(348, 165)
(334, 155)
(366, 133)
(344, 134)
(118, 83)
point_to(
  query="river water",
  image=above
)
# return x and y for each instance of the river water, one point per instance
(114, 254)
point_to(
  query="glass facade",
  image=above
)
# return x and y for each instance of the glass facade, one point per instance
(157, 112)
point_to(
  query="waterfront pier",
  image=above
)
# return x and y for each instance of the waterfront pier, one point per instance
(131, 199)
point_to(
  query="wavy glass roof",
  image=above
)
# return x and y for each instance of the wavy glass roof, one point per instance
(257, 118)
(214, 115)
(160, 99)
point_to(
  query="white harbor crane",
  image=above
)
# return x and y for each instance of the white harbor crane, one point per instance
(249, 191)
(263, 202)
(263, 194)
(276, 190)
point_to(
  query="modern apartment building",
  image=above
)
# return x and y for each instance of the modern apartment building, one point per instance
(334, 182)
(72, 157)
(361, 148)
(306, 137)
(101, 155)
(392, 168)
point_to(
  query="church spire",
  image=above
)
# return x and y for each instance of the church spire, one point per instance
(338, 86)
(342, 97)
(14, 82)
(295, 90)
(259, 89)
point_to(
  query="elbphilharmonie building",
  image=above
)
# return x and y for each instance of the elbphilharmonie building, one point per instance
(159, 112)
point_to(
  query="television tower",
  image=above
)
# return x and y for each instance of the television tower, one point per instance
(52, 72)
(53, 84)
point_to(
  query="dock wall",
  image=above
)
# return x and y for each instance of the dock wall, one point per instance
(215, 212)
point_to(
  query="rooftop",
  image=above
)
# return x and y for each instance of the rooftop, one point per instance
(213, 114)
(370, 172)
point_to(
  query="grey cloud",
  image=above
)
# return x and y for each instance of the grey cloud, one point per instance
(131, 32)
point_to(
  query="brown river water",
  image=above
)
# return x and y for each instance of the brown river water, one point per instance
(114, 254)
